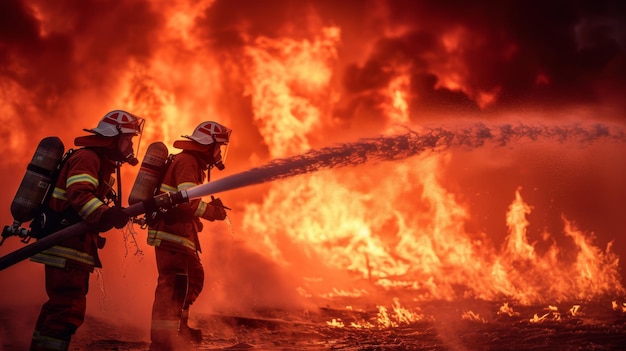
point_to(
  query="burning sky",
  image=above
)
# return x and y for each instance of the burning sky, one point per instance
(289, 76)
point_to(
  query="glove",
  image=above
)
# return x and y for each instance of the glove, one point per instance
(113, 217)
(219, 210)
(214, 213)
(216, 202)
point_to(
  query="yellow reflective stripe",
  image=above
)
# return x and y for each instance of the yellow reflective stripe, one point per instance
(84, 177)
(186, 185)
(155, 237)
(49, 343)
(59, 193)
(165, 324)
(48, 260)
(167, 188)
(72, 254)
(89, 207)
(201, 208)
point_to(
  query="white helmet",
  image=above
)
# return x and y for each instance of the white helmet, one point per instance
(207, 133)
(118, 122)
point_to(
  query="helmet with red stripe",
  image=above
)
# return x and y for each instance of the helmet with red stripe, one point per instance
(211, 140)
(210, 132)
(118, 122)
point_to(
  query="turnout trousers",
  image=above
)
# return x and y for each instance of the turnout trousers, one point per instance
(181, 279)
(65, 309)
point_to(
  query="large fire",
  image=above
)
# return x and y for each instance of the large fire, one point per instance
(534, 223)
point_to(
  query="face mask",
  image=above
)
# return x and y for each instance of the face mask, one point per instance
(217, 158)
(125, 147)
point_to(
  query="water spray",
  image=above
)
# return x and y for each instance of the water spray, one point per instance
(383, 148)
(399, 147)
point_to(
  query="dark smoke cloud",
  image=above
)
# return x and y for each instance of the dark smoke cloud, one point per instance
(512, 46)
(532, 53)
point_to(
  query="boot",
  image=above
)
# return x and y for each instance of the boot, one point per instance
(190, 334)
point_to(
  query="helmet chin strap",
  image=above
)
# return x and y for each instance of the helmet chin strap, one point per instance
(118, 199)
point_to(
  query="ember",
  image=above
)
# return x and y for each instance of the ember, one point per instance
(442, 326)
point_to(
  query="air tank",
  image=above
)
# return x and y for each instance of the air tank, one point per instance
(37, 180)
(150, 173)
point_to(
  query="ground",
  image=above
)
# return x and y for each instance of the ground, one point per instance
(483, 326)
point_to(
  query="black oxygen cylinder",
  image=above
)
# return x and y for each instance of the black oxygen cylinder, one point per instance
(37, 180)
(150, 173)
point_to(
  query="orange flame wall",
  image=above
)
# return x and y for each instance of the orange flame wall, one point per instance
(534, 222)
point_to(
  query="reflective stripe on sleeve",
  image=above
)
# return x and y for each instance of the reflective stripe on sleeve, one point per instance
(78, 178)
(59, 193)
(201, 208)
(167, 188)
(89, 207)
(186, 185)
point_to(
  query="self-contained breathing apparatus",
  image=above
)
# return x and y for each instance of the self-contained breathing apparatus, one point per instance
(30, 201)
(148, 185)
(149, 178)
(33, 195)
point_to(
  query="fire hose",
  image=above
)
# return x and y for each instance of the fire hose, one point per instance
(383, 148)
(166, 200)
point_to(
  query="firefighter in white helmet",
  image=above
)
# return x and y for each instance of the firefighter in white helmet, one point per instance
(83, 192)
(175, 236)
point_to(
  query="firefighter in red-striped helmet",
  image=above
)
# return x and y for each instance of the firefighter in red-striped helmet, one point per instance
(209, 140)
(83, 192)
(115, 132)
(175, 235)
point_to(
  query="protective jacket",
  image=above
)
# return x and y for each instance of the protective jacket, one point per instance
(80, 192)
(178, 228)
(84, 183)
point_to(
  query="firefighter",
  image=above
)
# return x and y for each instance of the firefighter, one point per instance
(175, 236)
(83, 192)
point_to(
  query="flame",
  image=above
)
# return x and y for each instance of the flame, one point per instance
(595, 272)
(335, 322)
(507, 310)
(574, 310)
(473, 317)
(370, 232)
(452, 72)
(391, 226)
(617, 307)
(397, 317)
(398, 109)
(287, 79)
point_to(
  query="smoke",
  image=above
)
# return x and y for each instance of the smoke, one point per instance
(64, 64)
(462, 58)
